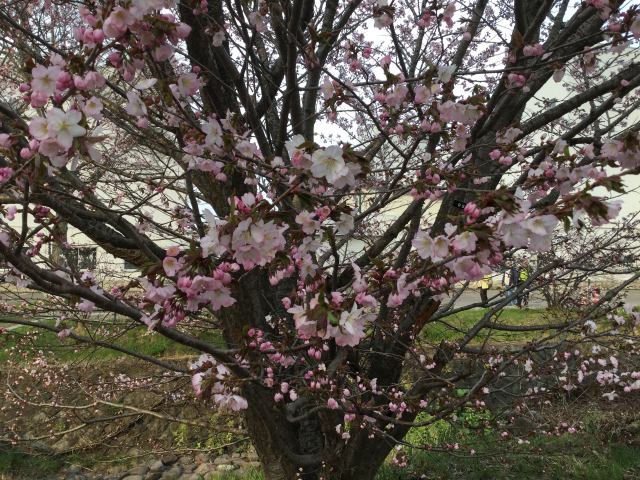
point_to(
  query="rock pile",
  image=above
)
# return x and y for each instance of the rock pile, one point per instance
(171, 467)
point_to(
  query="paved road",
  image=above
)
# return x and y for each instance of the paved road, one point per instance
(470, 297)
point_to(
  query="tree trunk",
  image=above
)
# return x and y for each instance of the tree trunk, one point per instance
(291, 442)
(280, 444)
(309, 449)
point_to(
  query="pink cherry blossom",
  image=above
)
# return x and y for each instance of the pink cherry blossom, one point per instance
(170, 265)
(427, 247)
(350, 328)
(93, 108)
(188, 84)
(44, 79)
(135, 106)
(86, 306)
(117, 22)
(465, 242)
(329, 163)
(534, 50)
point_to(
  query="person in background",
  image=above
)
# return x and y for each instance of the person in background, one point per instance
(510, 279)
(522, 277)
(485, 284)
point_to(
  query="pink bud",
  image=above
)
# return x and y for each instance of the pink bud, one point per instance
(26, 153)
(94, 80)
(91, 20)
(162, 53)
(87, 38)
(332, 404)
(79, 82)
(183, 30)
(98, 35)
(115, 59)
(64, 80)
(495, 154)
(38, 99)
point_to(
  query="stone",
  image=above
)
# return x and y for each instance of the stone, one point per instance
(133, 477)
(134, 452)
(153, 476)
(115, 476)
(39, 418)
(168, 458)
(192, 476)
(202, 458)
(61, 445)
(226, 467)
(173, 474)
(156, 466)
(74, 469)
(204, 468)
(76, 476)
(221, 460)
(141, 470)
(188, 467)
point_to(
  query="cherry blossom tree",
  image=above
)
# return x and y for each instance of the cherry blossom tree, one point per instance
(315, 179)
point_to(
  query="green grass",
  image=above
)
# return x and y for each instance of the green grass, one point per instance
(451, 328)
(454, 327)
(251, 474)
(568, 457)
(14, 464)
(66, 350)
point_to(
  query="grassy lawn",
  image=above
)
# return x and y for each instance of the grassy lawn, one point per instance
(454, 327)
(67, 350)
(14, 464)
(153, 344)
(563, 458)
(604, 448)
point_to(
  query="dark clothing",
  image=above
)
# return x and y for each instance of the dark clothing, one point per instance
(484, 296)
